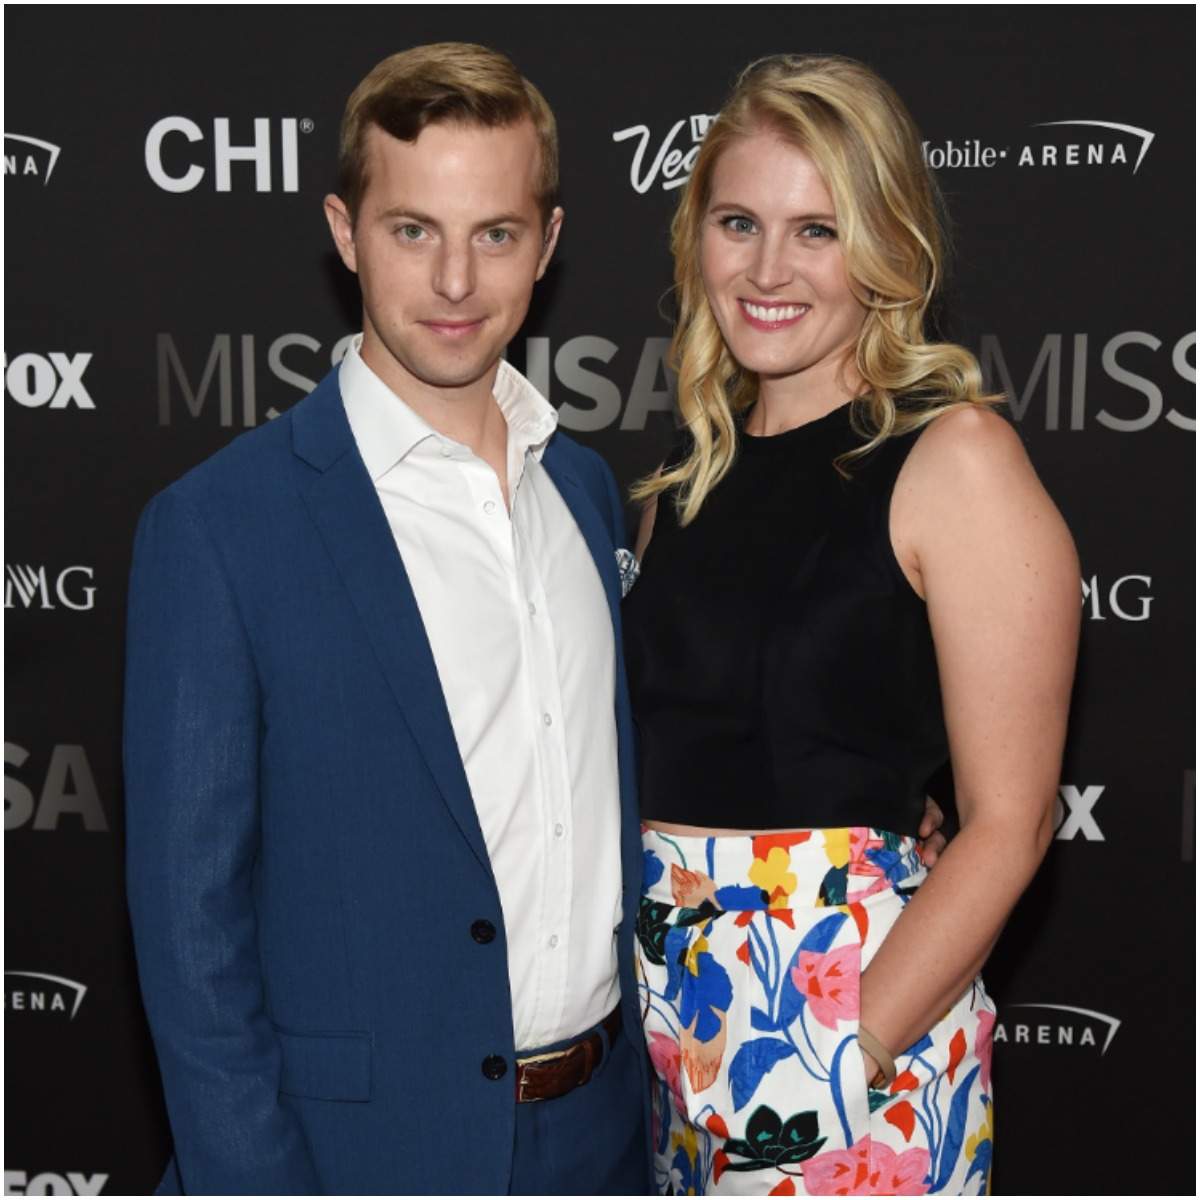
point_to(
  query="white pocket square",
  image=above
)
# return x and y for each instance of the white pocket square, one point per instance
(630, 569)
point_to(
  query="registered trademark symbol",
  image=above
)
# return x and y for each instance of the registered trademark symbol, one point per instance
(306, 125)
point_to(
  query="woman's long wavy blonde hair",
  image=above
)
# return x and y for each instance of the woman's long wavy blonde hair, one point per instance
(889, 216)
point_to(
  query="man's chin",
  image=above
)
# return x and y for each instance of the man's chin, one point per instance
(451, 371)
(459, 376)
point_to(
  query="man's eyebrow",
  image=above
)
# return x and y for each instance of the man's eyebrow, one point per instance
(411, 213)
(421, 218)
(503, 219)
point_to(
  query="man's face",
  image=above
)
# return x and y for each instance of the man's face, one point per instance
(447, 245)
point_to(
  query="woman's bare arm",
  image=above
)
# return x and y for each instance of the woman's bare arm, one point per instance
(984, 544)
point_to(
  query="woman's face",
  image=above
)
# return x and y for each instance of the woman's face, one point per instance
(772, 264)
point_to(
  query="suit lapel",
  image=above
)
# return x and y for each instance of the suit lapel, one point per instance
(346, 509)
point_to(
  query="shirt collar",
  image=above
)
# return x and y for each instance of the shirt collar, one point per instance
(531, 418)
(386, 430)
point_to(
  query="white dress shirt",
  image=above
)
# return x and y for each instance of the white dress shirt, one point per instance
(521, 634)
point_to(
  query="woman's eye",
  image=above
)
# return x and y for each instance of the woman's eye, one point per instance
(816, 230)
(738, 224)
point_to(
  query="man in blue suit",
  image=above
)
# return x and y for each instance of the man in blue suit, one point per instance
(383, 850)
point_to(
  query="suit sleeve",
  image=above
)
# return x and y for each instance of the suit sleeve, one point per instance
(192, 721)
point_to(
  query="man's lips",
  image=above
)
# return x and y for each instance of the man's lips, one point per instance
(452, 328)
(772, 316)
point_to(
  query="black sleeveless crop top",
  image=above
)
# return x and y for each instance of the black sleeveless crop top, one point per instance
(781, 667)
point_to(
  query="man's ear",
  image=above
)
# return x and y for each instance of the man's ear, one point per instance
(342, 228)
(549, 241)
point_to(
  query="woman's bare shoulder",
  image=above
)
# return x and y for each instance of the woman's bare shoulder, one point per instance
(969, 438)
(968, 492)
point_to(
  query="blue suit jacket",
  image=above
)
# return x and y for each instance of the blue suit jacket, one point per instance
(304, 858)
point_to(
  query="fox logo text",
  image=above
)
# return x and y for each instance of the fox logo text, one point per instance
(173, 166)
(1073, 813)
(54, 380)
(31, 587)
(47, 1183)
(68, 791)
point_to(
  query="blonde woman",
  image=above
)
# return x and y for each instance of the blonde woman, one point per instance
(850, 574)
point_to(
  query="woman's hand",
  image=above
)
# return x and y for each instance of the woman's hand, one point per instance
(929, 834)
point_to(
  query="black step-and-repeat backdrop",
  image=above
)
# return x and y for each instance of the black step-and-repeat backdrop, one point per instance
(170, 283)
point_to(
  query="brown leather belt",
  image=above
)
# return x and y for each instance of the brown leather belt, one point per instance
(548, 1076)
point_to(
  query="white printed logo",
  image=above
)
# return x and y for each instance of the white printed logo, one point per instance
(32, 991)
(266, 155)
(25, 155)
(47, 1183)
(670, 164)
(1087, 144)
(1094, 149)
(1079, 1029)
(1127, 599)
(1073, 813)
(24, 584)
(55, 379)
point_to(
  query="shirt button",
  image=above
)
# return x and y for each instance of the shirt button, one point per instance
(559, 830)
(483, 931)
(532, 609)
(493, 1067)
(446, 452)
(547, 720)
(553, 941)
(489, 507)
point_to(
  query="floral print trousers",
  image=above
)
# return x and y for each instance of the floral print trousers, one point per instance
(750, 951)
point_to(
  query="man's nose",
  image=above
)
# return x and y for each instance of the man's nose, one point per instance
(771, 268)
(454, 273)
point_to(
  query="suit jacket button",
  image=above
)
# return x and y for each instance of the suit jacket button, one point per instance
(494, 1067)
(483, 931)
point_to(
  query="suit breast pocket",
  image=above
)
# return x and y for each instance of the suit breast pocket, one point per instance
(326, 1066)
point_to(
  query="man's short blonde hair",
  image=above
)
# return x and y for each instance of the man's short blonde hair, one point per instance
(446, 81)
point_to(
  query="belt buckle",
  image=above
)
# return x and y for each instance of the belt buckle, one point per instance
(535, 1060)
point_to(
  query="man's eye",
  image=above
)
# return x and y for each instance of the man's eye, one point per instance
(411, 233)
(498, 237)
